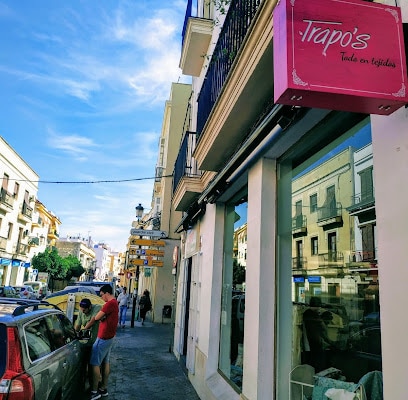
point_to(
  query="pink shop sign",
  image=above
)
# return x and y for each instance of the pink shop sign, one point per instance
(344, 55)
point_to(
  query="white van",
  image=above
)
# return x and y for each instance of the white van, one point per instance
(40, 288)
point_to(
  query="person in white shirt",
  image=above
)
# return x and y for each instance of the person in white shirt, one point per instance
(123, 300)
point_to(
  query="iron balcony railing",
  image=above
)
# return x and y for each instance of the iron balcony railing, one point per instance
(363, 255)
(203, 13)
(185, 165)
(329, 211)
(299, 222)
(331, 258)
(159, 174)
(363, 199)
(22, 248)
(27, 210)
(237, 22)
(6, 198)
(34, 241)
(299, 263)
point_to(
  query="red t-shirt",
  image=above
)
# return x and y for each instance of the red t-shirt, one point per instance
(107, 326)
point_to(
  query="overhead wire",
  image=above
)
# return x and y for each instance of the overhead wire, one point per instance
(90, 182)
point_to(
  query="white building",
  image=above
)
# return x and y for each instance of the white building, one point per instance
(17, 200)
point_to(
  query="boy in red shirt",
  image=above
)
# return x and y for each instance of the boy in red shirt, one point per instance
(101, 349)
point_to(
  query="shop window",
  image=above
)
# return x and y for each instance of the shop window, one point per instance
(336, 330)
(233, 293)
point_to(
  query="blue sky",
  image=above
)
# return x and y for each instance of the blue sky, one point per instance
(83, 86)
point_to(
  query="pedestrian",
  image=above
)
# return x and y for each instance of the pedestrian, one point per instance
(317, 342)
(123, 300)
(85, 321)
(145, 305)
(101, 349)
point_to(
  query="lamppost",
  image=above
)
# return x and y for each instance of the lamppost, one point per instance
(139, 214)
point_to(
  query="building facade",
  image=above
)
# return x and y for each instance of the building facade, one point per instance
(17, 201)
(320, 193)
(83, 250)
(151, 266)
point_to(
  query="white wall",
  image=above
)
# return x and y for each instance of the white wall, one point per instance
(390, 154)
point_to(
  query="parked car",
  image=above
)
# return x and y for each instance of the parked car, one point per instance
(238, 313)
(46, 352)
(8, 291)
(40, 288)
(25, 292)
(75, 289)
(361, 355)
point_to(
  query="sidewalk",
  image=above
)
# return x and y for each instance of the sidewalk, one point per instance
(142, 368)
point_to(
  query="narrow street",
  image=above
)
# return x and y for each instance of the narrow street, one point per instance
(142, 368)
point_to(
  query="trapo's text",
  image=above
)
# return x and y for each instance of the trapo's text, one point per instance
(327, 36)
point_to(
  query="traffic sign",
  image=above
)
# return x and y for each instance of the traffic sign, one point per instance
(149, 252)
(147, 242)
(145, 262)
(148, 232)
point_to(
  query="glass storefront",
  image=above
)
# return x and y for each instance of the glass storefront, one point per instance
(233, 292)
(336, 330)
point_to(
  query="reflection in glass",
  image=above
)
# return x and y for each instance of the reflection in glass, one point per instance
(233, 294)
(335, 285)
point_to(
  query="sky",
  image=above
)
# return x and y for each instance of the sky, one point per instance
(83, 85)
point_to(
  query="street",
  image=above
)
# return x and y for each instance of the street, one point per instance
(142, 368)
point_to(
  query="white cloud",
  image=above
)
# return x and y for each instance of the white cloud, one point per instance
(74, 145)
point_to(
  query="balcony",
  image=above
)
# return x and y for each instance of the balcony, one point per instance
(34, 241)
(37, 222)
(21, 249)
(26, 213)
(299, 264)
(187, 185)
(53, 234)
(329, 214)
(159, 173)
(6, 201)
(238, 85)
(363, 206)
(197, 33)
(363, 259)
(331, 259)
(299, 225)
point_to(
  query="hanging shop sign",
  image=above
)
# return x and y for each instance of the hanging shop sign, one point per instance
(344, 55)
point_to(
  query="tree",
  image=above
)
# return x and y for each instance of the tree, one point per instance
(238, 273)
(73, 266)
(58, 268)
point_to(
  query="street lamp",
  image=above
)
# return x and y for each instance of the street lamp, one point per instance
(139, 211)
(139, 215)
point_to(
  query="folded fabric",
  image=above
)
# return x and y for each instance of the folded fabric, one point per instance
(340, 394)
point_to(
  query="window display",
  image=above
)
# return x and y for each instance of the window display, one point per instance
(335, 283)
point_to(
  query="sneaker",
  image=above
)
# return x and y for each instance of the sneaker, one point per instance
(95, 396)
(103, 392)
